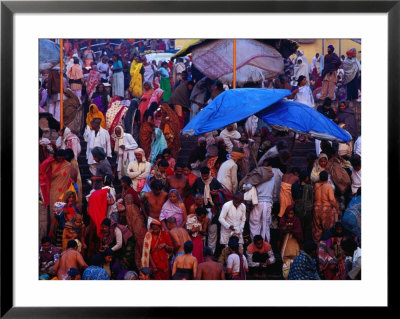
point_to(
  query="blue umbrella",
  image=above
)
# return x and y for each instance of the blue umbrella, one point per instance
(303, 120)
(232, 106)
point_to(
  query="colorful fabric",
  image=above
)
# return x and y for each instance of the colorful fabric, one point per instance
(95, 273)
(97, 208)
(114, 117)
(170, 209)
(171, 129)
(92, 81)
(54, 179)
(135, 85)
(303, 268)
(144, 104)
(158, 145)
(156, 96)
(165, 85)
(285, 198)
(159, 256)
(95, 113)
(145, 137)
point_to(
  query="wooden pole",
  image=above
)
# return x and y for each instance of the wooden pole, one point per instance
(234, 64)
(61, 84)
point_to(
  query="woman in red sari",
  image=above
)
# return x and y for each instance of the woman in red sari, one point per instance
(115, 116)
(156, 249)
(92, 80)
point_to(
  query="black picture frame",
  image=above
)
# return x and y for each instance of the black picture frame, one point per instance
(9, 8)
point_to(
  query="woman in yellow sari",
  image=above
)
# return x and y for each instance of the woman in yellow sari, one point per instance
(95, 113)
(135, 86)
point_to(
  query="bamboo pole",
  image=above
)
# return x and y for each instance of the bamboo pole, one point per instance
(61, 84)
(234, 64)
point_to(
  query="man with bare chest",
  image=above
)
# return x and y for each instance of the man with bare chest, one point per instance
(154, 201)
(178, 235)
(209, 269)
(70, 258)
(178, 181)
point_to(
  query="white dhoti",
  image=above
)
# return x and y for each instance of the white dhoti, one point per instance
(260, 220)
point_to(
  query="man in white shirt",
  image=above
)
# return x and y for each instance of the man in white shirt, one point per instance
(102, 67)
(97, 137)
(227, 173)
(260, 216)
(232, 219)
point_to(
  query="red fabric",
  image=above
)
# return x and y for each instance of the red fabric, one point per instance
(135, 195)
(45, 179)
(114, 124)
(198, 248)
(98, 207)
(160, 256)
(169, 172)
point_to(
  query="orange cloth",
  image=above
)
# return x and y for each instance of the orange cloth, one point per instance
(285, 197)
(95, 113)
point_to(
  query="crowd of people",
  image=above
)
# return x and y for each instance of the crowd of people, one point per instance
(235, 206)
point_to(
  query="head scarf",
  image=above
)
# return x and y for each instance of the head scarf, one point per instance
(100, 96)
(155, 222)
(317, 167)
(237, 156)
(147, 188)
(95, 113)
(171, 209)
(158, 145)
(130, 274)
(140, 151)
(156, 96)
(119, 140)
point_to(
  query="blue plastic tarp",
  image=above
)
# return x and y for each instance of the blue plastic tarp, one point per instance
(232, 106)
(304, 120)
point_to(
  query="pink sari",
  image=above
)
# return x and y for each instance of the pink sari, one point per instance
(144, 104)
(93, 80)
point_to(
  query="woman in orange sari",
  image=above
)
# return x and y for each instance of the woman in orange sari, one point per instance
(171, 129)
(144, 101)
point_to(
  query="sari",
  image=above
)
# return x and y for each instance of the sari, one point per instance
(92, 81)
(169, 209)
(100, 99)
(95, 113)
(135, 85)
(145, 102)
(171, 129)
(156, 96)
(158, 145)
(165, 85)
(54, 180)
(159, 256)
(114, 117)
(285, 197)
(136, 225)
(145, 137)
